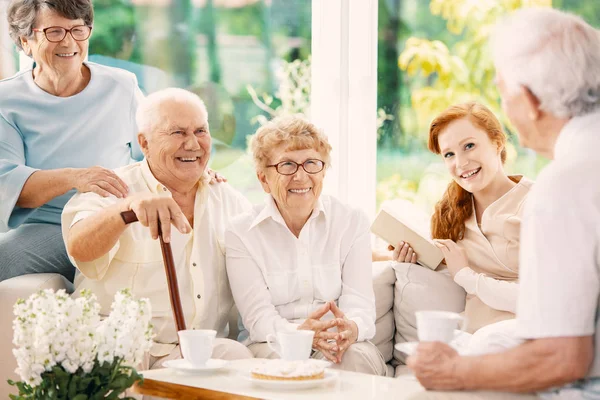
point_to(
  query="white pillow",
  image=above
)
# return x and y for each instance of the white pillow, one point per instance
(419, 288)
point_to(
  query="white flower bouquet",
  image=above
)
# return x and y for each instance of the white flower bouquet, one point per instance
(65, 351)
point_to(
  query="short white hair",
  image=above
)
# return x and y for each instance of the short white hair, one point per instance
(147, 115)
(554, 54)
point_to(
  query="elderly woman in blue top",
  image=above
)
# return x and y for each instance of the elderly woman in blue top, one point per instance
(302, 260)
(63, 125)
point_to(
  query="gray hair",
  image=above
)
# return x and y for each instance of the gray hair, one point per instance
(22, 14)
(147, 115)
(554, 54)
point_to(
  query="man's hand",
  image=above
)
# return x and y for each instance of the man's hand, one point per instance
(347, 332)
(323, 340)
(434, 365)
(455, 256)
(150, 209)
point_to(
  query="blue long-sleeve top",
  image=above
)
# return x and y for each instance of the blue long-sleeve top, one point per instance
(39, 131)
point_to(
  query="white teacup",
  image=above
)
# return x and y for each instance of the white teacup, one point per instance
(437, 326)
(292, 345)
(197, 345)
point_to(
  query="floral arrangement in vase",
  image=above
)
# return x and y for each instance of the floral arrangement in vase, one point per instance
(65, 351)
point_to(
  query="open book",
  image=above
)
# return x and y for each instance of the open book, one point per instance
(401, 223)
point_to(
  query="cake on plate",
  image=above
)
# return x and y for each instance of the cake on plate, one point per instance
(280, 370)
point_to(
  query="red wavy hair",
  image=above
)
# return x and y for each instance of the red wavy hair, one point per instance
(455, 207)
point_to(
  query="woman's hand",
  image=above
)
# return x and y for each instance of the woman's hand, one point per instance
(455, 256)
(324, 341)
(215, 177)
(101, 181)
(347, 332)
(403, 253)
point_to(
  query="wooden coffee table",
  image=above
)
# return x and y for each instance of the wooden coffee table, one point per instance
(229, 383)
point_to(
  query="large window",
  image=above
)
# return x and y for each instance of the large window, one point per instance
(238, 55)
(8, 56)
(433, 54)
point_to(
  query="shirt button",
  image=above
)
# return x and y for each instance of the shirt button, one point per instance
(199, 296)
(193, 264)
(164, 189)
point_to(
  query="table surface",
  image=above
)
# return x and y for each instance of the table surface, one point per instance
(230, 383)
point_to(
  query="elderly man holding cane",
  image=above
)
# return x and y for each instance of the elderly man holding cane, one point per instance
(548, 65)
(169, 187)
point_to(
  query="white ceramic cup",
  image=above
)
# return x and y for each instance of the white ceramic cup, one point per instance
(437, 326)
(292, 345)
(197, 345)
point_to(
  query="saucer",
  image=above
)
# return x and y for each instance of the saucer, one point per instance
(184, 366)
(409, 348)
(330, 376)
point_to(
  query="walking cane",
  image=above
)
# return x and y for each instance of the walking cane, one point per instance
(129, 217)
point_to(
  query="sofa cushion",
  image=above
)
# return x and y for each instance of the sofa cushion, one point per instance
(419, 288)
(384, 278)
(384, 335)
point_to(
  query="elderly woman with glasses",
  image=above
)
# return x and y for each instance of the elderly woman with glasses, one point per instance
(63, 125)
(302, 260)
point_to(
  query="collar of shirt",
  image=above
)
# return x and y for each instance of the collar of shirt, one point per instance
(156, 187)
(270, 210)
(575, 131)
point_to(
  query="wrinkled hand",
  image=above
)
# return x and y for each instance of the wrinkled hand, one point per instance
(435, 366)
(403, 253)
(455, 256)
(152, 209)
(347, 332)
(324, 341)
(215, 177)
(99, 180)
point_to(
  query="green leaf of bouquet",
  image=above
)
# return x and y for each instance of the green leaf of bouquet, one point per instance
(80, 396)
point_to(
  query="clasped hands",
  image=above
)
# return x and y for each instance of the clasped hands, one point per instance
(332, 344)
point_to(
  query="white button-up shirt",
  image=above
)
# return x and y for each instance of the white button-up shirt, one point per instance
(560, 242)
(136, 261)
(278, 279)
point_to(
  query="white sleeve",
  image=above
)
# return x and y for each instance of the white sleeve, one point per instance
(357, 299)
(251, 293)
(497, 294)
(559, 259)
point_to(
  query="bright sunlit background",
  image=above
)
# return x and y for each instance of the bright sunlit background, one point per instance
(251, 59)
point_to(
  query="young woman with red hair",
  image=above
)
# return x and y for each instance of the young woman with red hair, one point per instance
(476, 223)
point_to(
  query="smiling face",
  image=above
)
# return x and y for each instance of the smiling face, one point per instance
(472, 159)
(293, 193)
(178, 149)
(63, 58)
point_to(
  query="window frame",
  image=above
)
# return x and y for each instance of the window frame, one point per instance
(343, 95)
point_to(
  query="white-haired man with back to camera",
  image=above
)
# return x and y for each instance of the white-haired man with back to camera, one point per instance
(548, 73)
(171, 186)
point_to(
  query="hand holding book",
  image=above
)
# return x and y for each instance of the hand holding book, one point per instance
(403, 253)
(402, 224)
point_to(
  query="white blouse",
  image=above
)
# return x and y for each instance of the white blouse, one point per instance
(277, 279)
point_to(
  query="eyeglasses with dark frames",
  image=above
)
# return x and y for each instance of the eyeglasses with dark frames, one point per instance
(311, 166)
(56, 34)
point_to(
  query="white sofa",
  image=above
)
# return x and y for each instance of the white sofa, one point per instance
(400, 290)
(10, 291)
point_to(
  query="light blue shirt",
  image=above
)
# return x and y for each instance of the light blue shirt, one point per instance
(39, 131)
